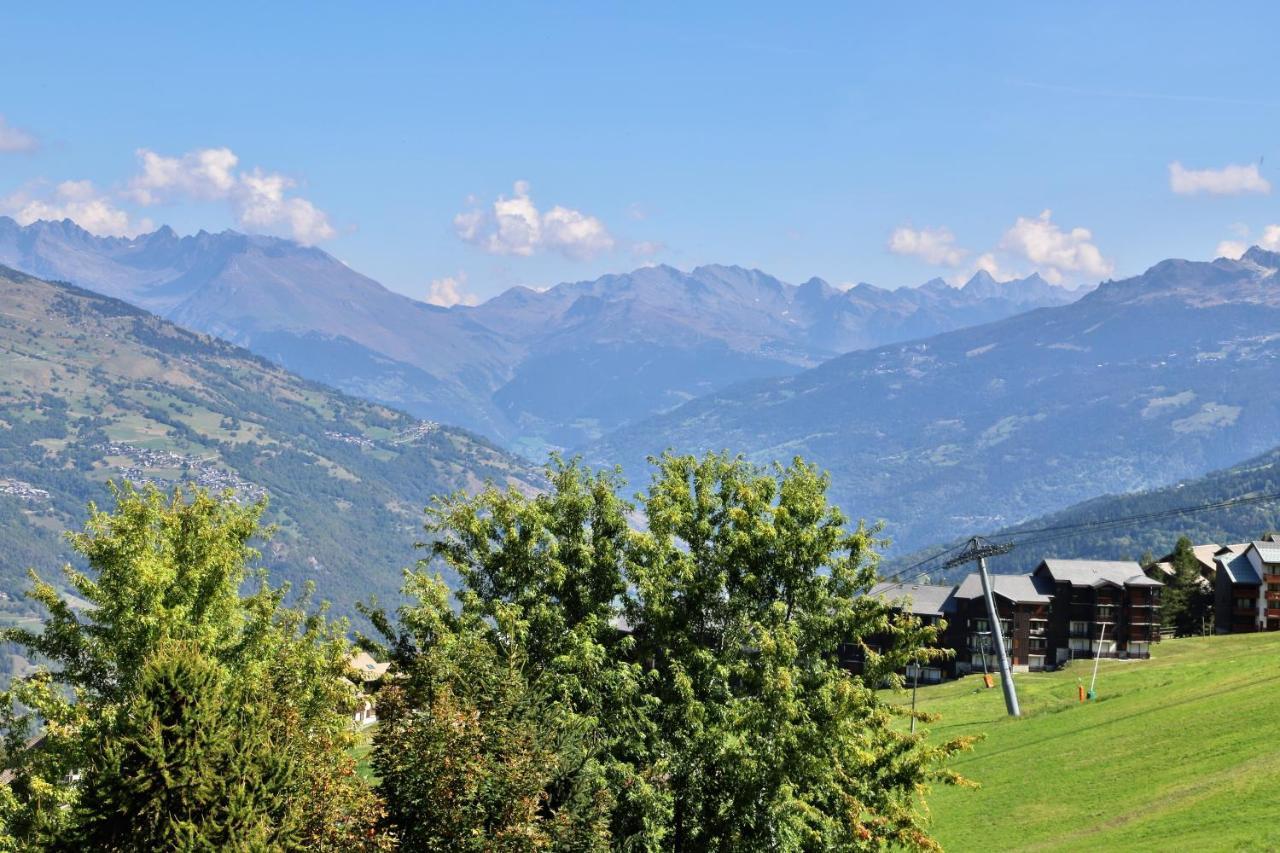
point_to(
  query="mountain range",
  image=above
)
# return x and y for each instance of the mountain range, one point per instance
(1139, 384)
(94, 389)
(531, 369)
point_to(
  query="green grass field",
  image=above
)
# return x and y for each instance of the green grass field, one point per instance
(1181, 752)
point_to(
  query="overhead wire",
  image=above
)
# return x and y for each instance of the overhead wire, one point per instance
(1061, 531)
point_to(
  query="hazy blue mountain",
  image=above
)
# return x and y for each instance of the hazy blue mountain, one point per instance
(297, 305)
(531, 369)
(1139, 384)
(1255, 477)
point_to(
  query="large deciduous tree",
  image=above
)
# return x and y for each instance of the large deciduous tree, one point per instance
(660, 676)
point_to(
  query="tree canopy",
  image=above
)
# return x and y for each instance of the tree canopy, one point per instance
(165, 573)
(659, 675)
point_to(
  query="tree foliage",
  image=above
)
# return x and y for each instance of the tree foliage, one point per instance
(687, 667)
(1186, 603)
(166, 570)
(188, 764)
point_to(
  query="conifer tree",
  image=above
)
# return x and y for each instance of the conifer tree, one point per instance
(187, 765)
(164, 570)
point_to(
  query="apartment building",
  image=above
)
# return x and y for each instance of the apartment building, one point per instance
(1101, 608)
(1247, 587)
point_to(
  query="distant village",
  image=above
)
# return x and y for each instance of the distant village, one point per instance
(202, 472)
(1067, 610)
(21, 490)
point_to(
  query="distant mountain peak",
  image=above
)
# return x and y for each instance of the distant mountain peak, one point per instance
(1262, 257)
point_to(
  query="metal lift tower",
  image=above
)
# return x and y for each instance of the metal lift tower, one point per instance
(977, 551)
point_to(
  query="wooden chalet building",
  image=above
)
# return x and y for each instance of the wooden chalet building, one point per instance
(1064, 610)
(933, 605)
(1023, 603)
(1247, 587)
(1101, 608)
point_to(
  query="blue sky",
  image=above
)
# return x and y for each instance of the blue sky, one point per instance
(849, 142)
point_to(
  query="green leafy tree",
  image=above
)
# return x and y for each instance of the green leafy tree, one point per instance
(165, 569)
(474, 757)
(189, 764)
(695, 656)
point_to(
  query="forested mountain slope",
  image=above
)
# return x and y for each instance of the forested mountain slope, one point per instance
(1097, 528)
(93, 389)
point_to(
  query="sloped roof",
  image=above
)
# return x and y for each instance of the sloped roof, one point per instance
(363, 664)
(1206, 553)
(1097, 572)
(1268, 550)
(925, 599)
(1026, 589)
(1239, 568)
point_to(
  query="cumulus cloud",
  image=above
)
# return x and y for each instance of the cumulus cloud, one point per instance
(1229, 180)
(1269, 239)
(260, 201)
(207, 174)
(1056, 253)
(76, 200)
(933, 245)
(448, 291)
(515, 226)
(15, 140)
(1231, 249)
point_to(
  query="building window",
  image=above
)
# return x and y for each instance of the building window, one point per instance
(1139, 649)
(1079, 644)
(1035, 662)
(1105, 613)
(1244, 603)
(1079, 628)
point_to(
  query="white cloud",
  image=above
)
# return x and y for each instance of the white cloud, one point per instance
(76, 200)
(260, 200)
(1231, 249)
(933, 245)
(1229, 180)
(648, 248)
(1270, 238)
(206, 174)
(15, 140)
(515, 226)
(1055, 252)
(448, 291)
(987, 263)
